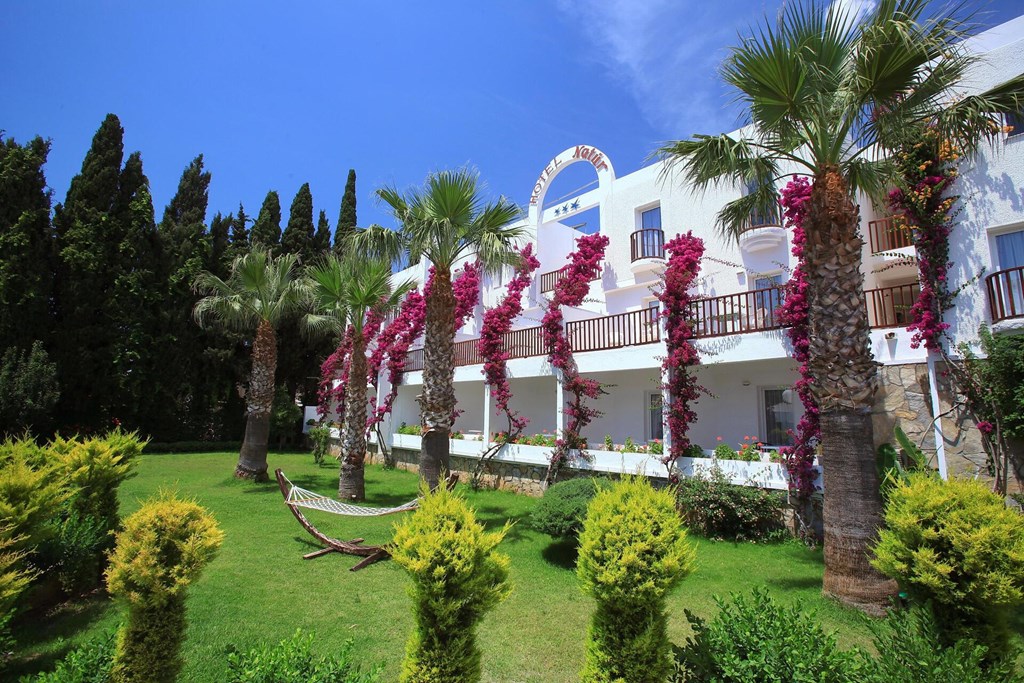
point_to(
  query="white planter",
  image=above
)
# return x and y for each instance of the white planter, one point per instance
(409, 441)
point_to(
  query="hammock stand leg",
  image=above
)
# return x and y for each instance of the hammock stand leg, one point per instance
(371, 553)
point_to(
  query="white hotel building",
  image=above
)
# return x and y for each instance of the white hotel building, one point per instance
(745, 355)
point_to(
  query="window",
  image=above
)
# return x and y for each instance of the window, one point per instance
(1015, 120)
(655, 417)
(757, 217)
(779, 416)
(651, 219)
(1010, 249)
(653, 309)
(767, 303)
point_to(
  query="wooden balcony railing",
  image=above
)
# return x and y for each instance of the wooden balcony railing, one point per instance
(549, 280)
(647, 243)
(754, 311)
(886, 235)
(1006, 293)
(742, 313)
(614, 331)
(890, 306)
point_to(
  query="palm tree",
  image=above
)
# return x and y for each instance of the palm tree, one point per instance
(445, 221)
(258, 294)
(342, 294)
(829, 96)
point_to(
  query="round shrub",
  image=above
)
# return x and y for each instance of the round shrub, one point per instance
(563, 507)
(956, 545)
(456, 577)
(633, 551)
(162, 549)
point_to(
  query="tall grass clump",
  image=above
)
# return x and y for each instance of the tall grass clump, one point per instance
(162, 549)
(633, 551)
(457, 576)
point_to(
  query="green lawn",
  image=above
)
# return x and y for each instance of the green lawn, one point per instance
(259, 589)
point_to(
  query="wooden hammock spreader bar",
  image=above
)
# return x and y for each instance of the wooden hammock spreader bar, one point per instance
(372, 553)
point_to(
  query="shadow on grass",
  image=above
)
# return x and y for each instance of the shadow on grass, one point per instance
(794, 583)
(561, 553)
(494, 517)
(62, 622)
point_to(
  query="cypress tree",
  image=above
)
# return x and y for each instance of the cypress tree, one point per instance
(86, 269)
(347, 216)
(134, 305)
(322, 239)
(239, 235)
(266, 231)
(298, 234)
(26, 245)
(188, 379)
(220, 242)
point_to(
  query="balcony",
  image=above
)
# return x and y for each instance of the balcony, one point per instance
(647, 251)
(762, 233)
(720, 316)
(1006, 299)
(550, 279)
(890, 306)
(885, 235)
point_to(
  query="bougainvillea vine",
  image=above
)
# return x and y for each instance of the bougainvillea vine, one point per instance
(334, 376)
(681, 269)
(497, 323)
(570, 290)
(924, 205)
(795, 315)
(393, 349)
(466, 288)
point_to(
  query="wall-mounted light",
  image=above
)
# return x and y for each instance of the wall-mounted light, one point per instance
(746, 382)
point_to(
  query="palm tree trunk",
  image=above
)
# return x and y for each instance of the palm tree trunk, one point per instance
(252, 460)
(845, 379)
(437, 402)
(351, 483)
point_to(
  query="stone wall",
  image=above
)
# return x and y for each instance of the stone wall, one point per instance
(904, 399)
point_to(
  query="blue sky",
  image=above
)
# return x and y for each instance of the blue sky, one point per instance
(276, 94)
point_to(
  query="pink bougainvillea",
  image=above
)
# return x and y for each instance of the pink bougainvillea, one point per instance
(685, 252)
(496, 324)
(395, 340)
(570, 290)
(466, 288)
(923, 206)
(335, 367)
(795, 314)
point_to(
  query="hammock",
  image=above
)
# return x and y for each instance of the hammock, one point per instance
(304, 498)
(296, 497)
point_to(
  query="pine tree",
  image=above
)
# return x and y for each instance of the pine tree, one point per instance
(298, 235)
(26, 245)
(322, 239)
(347, 217)
(266, 231)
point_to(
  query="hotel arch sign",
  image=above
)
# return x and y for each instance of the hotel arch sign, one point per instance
(580, 153)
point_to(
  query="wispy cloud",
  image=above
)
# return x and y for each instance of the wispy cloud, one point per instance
(666, 54)
(856, 9)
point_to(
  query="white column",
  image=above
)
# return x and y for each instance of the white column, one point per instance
(487, 418)
(940, 441)
(666, 398)
(559, 407)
